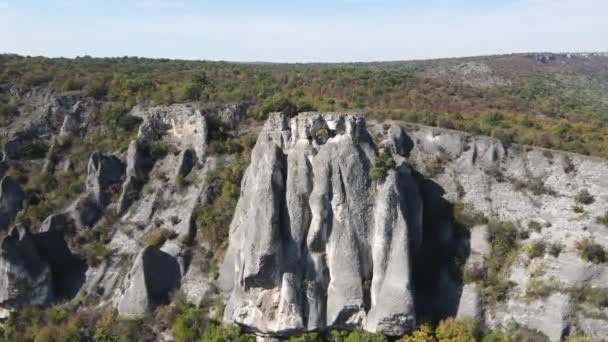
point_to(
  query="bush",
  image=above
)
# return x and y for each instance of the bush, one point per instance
(595, 296)
(603, 219)
(580, 339)
(188, 325)
(232, 145)
(517, 332)
(503, 239)
(578, 209)
(535, 226)
(214, 219)
(278, 103)
(95, 252)
(453, 330)
(308, 337)
(181, 183)
(159, 149)
(158, 236)
(34, 150)
(590, 251)
(538, 289)
(584, 197)
(467, 217)
(497, 335)
(535, 249)
(555, 249)
(383, 163)
(225, 333)
(355, 336)
(423, 333)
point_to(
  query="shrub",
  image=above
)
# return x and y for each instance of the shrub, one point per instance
(355, 336)
(578, 209)
(467, 217)
(188, 325)
(538, 289)
(584, 197)
(595, 296)
(474, 273)
(535, 249)
(453, 330)
(535, 226)
(129, 122)
(159, 149)
(34, 150)
(590, 251)
(308, 337)
(423, 333)
(181, 183)
(503, 238)
(580, 339)
(278, 103)
(225, 333)
(555, 249)
(95, 252)
(497, 335)
(158, 236)
(224, 189)
(232, 145)
(603, 219)
(517, 332)
(383, 163)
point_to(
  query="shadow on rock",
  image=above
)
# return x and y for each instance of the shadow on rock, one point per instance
(437, 270)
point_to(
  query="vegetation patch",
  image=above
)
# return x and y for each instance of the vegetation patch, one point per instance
(535, 226)
(535, 249)
(591, 251)
(213, 220)
(555, 249)
(158, 236)
(603, 220)
(495, 283)
(384, 162)
(159, 149)
(538, 288)
(467, 216)
(594, 296)
(584, 197)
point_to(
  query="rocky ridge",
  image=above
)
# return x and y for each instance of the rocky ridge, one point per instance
(317, 241)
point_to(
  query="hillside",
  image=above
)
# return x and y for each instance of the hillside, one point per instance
(550, 100)
(158, 200)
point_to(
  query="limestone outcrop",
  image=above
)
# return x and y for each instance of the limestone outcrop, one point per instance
(25, 277)
(327, 244)
(151, 279)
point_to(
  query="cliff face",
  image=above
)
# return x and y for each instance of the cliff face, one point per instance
(315, 241)
(556, 200)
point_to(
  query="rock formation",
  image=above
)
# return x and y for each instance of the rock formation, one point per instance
(25, 278)
(328, 246)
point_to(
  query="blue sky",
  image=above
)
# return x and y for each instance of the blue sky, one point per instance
(301, 31)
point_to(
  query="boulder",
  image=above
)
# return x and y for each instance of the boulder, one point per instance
(180, 125)
(25, 277)
(226, 117)
(103, 171)
(139, 164)
(146, 285)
